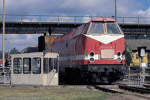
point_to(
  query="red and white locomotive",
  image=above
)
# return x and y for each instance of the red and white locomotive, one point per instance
(93, 51)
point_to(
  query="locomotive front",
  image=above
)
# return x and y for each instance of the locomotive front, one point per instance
(103, 47)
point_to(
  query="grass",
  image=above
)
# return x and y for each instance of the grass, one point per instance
(30, 93)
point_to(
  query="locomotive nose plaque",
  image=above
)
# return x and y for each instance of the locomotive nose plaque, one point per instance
(107, 53)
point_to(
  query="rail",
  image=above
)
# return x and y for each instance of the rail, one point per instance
(70, 19)
(137, 89)
(107, 89)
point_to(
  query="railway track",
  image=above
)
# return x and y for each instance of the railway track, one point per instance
(107, 88)
(147, 86)
(123, 89)
(136, 89)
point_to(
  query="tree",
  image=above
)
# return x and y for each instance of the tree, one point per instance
(0, 54)
(6, 55)
(14, 51)
(128, 55)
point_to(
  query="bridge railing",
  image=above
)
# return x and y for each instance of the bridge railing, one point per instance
(70, 19)
(133, 20)
(47, 18)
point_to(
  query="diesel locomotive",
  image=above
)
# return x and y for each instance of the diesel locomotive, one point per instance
(92, 52)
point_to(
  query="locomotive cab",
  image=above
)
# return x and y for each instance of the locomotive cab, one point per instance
(101, 28)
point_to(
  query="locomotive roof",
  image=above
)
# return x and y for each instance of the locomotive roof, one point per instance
(103, 19)
(71, 34)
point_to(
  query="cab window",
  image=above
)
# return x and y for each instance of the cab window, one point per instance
(36, 65)
(96, 28)
(27, 65)
(86, 28)
(112, 28)
(51, 64)
(56, 64)
(17, 65)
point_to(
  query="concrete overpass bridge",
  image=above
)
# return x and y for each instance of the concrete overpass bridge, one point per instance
(35, 24)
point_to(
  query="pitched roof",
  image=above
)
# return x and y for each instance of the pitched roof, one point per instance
(134, 43)
(30, 49)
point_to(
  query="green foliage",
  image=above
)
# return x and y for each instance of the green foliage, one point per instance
(128, 55)
(6, 54)
(0, 54)
(14, 51)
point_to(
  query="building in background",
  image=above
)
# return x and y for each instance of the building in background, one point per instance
(30, 49)
(133, 44)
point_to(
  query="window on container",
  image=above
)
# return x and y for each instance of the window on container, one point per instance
(51, 64)
(17, 65)
(112, 28)
(36, 65)
(56, 64)
(27, 65)
(45, 67)
(96, 28)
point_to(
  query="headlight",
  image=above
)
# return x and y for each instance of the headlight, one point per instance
(92, 53)
(118, 59)
(91, 60)
(118, 53)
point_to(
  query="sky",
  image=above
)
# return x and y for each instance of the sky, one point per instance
(125, 8)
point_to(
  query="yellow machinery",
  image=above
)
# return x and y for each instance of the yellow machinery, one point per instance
(135, 59)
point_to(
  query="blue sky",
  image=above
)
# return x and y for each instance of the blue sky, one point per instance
(145, 4)
(125, 8)
(76, 7)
